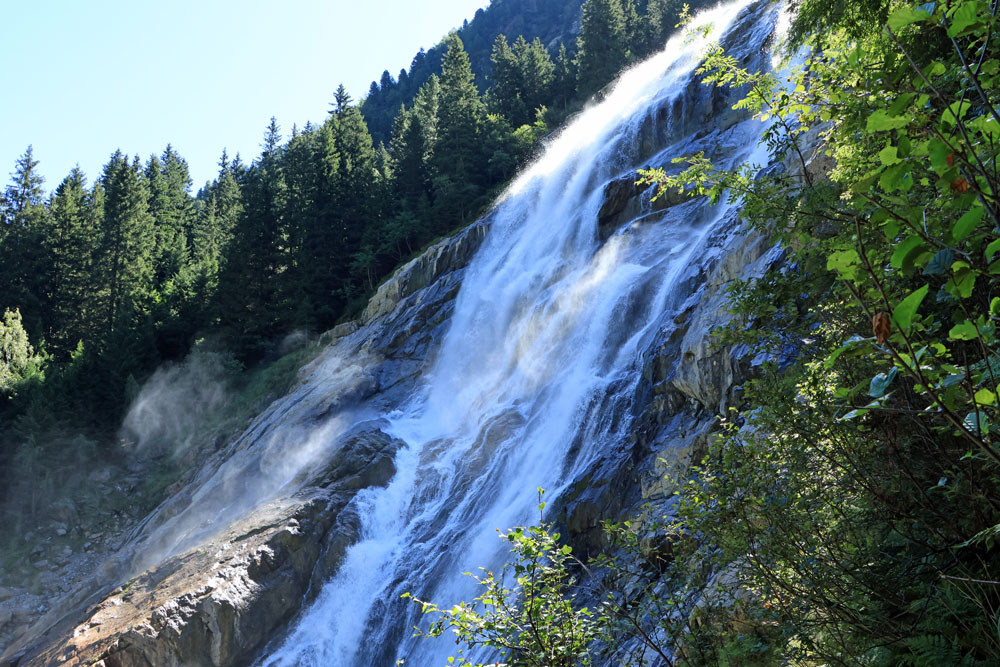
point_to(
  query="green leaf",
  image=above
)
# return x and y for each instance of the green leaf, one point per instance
(967, 223)
(898, 106)
(906, 16)
(907, 308)
(889, 156)
(942, 262)
(906, 252)
(939, 152)
(977, 422)
(963, 281)
(987, 125)
(844, 262)
(992, 249)
(881, 121)
(956, 111)
(849, 345)
(966, 16)
(952, 380)
(964, 331)
(896, 177)
(986, 397)
(880, 383)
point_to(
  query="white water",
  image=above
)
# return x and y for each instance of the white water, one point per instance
(533, 379)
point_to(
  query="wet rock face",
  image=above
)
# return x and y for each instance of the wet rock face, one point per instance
(220, 603)
(621, 203)
(438, 260)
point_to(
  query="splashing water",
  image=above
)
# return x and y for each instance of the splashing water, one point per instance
(536, 373)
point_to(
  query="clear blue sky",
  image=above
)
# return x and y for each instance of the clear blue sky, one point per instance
(82, 78)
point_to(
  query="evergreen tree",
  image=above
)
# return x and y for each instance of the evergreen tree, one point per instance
(633, 29)
(214, 228)
(22, 262)
(458, 157)
(659, 22)
(602, 46)
(127, 245)
(172, 208)
(250, 288)
(341, 100)
(24, 195)
(537, 73)
(69, 241)
(16, 352)
(504, 96)
(564, 82)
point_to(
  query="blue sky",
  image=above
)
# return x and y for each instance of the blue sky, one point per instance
(83, 78)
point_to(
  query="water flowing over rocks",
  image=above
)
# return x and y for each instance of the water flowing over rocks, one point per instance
(565, 340)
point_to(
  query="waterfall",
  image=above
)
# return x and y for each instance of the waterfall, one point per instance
(537, 374)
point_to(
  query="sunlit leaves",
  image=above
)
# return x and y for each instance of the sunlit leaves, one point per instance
(907, 16)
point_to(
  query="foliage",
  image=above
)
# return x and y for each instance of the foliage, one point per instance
(853, 493)
(527, 612)
(16, 354)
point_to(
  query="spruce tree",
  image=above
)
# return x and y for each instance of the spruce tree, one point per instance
(537, 77)
(250, 288)
(504, 95)
(172, 208)
(458, 157)
(659, 22)
(564, 83)
(127, 245)
(22, 262)
(341, 100)
(602, 46)
(70, 239)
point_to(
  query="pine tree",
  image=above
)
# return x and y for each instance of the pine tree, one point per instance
(70, 240)
(172, 208)
(537, 76)
(458, 159)
(22, 262)
(659, 22)
(633, 30)
(341, 100)
(504, 96)
(564, 83)
(602, 46)
(24, 195)
(250, 287)
(214, 229)
(16, 352)
(127, 245)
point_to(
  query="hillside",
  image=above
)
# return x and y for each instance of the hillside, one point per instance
(554, 23)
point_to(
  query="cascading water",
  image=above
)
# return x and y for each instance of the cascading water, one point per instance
(540, 365)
